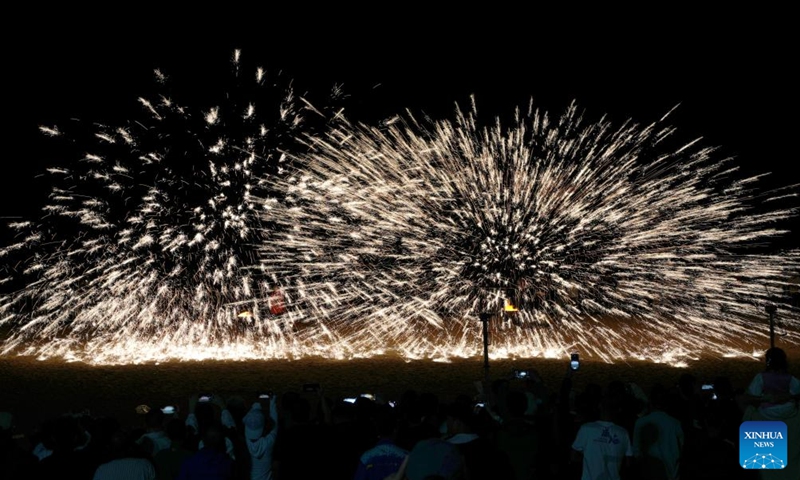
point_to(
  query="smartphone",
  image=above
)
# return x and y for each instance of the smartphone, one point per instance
(520, 373)
(574, 361)
(204, 398)
(709, 388)
(311, 387)
(265, 396)
(168, 410)
(349, 400)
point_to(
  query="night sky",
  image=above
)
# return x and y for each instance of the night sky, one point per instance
(732, 73)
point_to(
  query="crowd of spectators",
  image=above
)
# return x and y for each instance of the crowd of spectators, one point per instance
(515, 428)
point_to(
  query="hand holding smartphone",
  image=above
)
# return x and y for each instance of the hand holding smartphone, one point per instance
(574, 362)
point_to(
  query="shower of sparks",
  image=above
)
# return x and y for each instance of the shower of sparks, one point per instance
(611, 241)
(148, 247)
(239, 230)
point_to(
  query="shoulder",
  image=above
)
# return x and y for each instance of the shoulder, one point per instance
(382, 450)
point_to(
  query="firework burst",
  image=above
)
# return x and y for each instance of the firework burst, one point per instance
(147, 248)
(613, 241)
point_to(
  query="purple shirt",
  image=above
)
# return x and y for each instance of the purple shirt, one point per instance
(207, 464)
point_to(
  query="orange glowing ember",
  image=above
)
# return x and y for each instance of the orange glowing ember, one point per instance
(509, 306)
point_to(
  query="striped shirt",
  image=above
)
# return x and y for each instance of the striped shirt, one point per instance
(126, 469)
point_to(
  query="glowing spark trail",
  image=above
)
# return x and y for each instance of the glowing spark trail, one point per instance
(148, 247)
(612, 242)
(237, 229)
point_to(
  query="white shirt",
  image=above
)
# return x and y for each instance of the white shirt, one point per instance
(159, 441)
(604, 445)
(787, 409)
(667, 436)
(262, 448)
(126, 469)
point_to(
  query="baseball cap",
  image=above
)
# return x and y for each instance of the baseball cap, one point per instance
(254, 422)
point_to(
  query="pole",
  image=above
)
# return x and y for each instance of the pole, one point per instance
(485, 320)
(771, 309)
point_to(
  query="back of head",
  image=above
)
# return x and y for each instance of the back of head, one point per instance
(517, 403)
(300, 410)
(776, 360)
(658, 397)
(176, 430)
(66, 433)
(686, 384)
(214, 438)
(122, 444)
(206, 415)
(237, 406)
(254, 422)
(385, 421)
(435, 458)
(154, 419)
(461, 415)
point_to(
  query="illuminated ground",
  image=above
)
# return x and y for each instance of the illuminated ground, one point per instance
(34, 390)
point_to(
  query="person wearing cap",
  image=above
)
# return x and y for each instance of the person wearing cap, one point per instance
(260, 441)
(385, 458)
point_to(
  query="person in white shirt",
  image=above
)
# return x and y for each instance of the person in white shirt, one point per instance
(260, 441)
(602, 447)
(155, 439)
(773, 395)
(125, 464)
(658, 440)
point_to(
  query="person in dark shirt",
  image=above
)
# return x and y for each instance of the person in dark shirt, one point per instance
(210, 462)
(483, 460)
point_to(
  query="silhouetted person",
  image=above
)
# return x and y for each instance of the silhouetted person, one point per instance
(602, 447)
(303, 450)
(483, 460)
(517, 437)
(658, 440)
(16, 463)
(421, 420)
(211, 462)
(385, 457)
(773, 395)
(169, 460)
(127, 462)
(261, 436)
(64, 436)
(155, 438)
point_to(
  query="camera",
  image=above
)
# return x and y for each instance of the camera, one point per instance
(574, 361)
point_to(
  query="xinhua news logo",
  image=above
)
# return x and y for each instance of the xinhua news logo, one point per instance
(763, 445)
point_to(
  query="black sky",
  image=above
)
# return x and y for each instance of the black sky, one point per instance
(732, 73)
